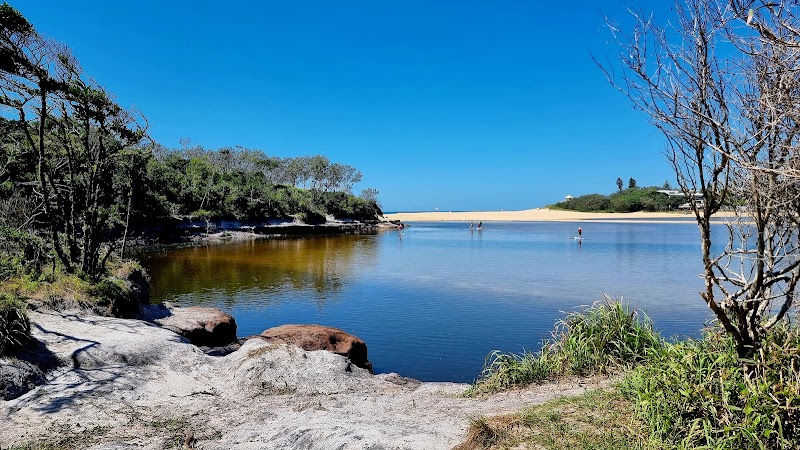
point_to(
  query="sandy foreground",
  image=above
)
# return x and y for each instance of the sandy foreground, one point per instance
(129, 384)
(541, 215)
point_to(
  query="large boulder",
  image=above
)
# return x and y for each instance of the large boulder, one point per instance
(206, 327)
(317, 337)
(18, 377)
(270, 368)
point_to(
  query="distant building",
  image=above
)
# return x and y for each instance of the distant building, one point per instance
(568, 198)
(697, 198)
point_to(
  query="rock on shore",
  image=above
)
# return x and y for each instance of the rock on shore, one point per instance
(209, 327)
(317, 337)
(18, 377)
(130, 384)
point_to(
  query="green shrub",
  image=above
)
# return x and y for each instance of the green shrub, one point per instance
(15, 328)
(587, 203)
(600, 339)
(342, 205)
(620, 203)
(699, 394)
(21, 252)
(107, 291)
(118, 294)
(605, 336)
(628, 200)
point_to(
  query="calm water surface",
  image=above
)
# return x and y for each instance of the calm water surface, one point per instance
(433, 302)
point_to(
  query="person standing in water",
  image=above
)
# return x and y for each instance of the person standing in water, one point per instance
(480, 225)
(580, 232)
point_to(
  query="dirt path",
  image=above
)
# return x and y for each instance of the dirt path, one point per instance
(128, 384)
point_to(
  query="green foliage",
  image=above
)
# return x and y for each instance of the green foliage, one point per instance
(66, 146)
(21, 252)
(118, 293)
(605, 336)
(82, 157)
(628, 200)
(110, 293)
(699, 394)
(247, 185)
(15, 328)
(345, 206)
(600, 339)
(688, 394)
(12, 20)
(591, 202)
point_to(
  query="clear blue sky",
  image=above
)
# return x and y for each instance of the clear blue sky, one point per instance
(456, 105)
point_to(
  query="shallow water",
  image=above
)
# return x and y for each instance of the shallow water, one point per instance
(433, 302)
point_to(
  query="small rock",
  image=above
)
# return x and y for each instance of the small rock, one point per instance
(317, 337)
(208, 327)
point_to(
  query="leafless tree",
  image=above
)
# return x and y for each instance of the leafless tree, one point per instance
(722, 84)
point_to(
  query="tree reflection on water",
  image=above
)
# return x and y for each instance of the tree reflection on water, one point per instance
(321, 264)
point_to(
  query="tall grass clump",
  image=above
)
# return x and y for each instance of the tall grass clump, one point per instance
(602, 338)
(699, 394)
(15, 328)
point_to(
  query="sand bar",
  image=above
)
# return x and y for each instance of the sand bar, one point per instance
(542, 215)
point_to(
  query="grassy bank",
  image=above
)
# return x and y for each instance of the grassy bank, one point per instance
(688, 394)
(604, 338)
(699, 394)
(599, 420)
(118, 293)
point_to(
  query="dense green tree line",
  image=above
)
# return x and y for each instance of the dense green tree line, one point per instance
(78, 172)
(626, 200)
(246, 185)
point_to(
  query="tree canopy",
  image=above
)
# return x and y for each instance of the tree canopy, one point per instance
(77, 171)
(625, 200)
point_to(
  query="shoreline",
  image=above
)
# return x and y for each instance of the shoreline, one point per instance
(545, 215)
(127, 381)
(178, 237)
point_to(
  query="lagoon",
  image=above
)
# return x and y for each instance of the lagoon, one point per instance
(432, 302)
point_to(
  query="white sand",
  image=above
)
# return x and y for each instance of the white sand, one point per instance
(541, 215)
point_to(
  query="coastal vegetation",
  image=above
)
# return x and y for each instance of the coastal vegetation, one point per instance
(79, 176)
(601, 339)
(720, 84)
(682, 394)
(244, 185)
(15, 329)
(602, 419)
(631, 199)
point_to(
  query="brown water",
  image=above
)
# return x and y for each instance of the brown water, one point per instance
(432, 302)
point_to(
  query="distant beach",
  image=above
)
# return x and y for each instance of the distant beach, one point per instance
(541, 215)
